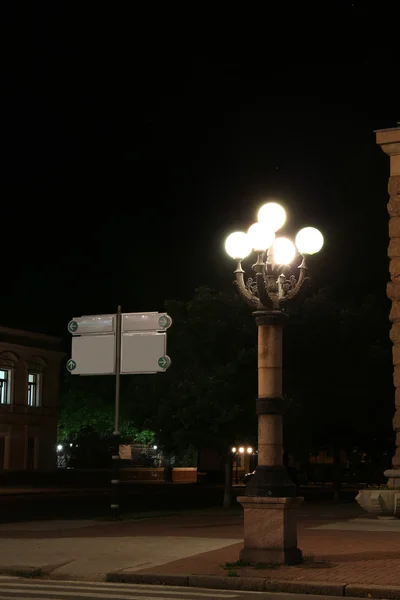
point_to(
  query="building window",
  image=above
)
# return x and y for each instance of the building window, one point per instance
(33, 389)
(5, 386)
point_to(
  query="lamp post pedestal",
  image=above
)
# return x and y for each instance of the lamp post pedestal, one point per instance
(270, 530)
(270, 520)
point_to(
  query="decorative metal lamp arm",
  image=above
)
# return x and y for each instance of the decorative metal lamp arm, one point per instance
(302, 278)
(247, 296)
(263, 295)
(259, 269)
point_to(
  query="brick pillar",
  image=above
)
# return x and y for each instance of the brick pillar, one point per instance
(389, 140)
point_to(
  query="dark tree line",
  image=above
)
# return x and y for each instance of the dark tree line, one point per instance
(337, 380)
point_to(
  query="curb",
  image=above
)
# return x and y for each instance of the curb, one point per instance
(391, 592)
(29, 572)
(260, 584)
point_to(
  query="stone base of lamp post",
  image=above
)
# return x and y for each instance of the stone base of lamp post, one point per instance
(271, 481)
(393, 476)
(270, 530)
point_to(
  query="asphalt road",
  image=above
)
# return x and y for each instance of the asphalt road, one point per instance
(22, 589)
(85, 504)
(94, 503)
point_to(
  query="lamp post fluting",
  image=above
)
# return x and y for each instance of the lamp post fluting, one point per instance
(272, 287)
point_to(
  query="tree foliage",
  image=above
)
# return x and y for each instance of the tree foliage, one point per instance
(87, 407)
(337, 379)
(206, 398)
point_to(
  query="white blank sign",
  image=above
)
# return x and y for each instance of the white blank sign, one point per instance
(95, 324)
(94, 354)
(140, 322)
(140, 352)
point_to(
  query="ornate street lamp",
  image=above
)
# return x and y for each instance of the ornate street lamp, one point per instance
(237, 452)
(267, 293)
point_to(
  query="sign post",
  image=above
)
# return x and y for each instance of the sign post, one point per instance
(119, 344)
(116, 461)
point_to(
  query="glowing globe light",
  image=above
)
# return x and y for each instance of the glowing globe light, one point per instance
(260, 237)
(284, 251)
(273, 215)
(309, 240)
(237, 245)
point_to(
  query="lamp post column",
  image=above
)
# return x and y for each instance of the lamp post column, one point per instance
(270, 478)
(270, 523)
(270, 440)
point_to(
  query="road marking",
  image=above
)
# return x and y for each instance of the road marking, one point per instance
(44, 597)
(105, 590)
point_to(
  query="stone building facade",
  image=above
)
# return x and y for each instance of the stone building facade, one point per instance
(389, 140)
(29, 389)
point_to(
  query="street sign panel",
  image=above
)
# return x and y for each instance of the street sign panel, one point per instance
(142, 338)
(93, 354)
(150, 321)
(140, 352)
(92, 325)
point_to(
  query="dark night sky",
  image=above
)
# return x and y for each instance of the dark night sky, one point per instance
(133, 143)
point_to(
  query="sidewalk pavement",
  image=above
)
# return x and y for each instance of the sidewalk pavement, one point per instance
(23, 491)
(345, 552)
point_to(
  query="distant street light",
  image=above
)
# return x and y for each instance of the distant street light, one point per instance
(272, 288)
(236, 452)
